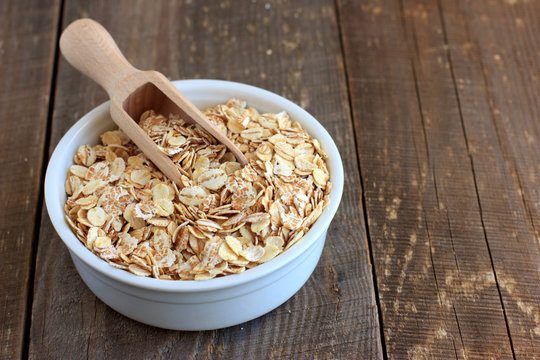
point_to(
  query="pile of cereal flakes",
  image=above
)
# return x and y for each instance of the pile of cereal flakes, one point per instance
(224, 220)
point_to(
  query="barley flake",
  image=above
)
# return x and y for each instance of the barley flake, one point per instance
(223, 220)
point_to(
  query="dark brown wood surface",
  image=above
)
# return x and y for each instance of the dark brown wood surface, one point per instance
(27, 42)
(502, 128)
(455, 252)
(434, 107)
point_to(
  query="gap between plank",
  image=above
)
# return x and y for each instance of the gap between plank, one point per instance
(41, 192)
(449, 58)
(364, 203)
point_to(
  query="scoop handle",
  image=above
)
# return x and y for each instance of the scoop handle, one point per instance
(90, 48)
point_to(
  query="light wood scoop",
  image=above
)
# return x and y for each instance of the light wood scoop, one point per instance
(90, 48)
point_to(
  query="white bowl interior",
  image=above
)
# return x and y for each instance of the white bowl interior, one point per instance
(203, 93)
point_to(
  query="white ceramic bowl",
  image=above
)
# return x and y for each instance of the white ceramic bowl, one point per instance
(195, 305)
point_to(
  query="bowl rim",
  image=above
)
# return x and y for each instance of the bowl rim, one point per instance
(75, 246)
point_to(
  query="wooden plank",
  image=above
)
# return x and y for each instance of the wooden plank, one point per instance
(438, 291)
(27, 38)
(291, 48)
(494, 49)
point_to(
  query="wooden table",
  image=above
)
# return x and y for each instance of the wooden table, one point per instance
(435, 251)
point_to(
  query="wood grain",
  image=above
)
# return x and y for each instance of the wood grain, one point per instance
(291, 48)
(494, 49)
(27, 37)
(433, 216)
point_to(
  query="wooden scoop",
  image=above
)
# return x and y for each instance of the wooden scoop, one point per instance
(90, 48)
